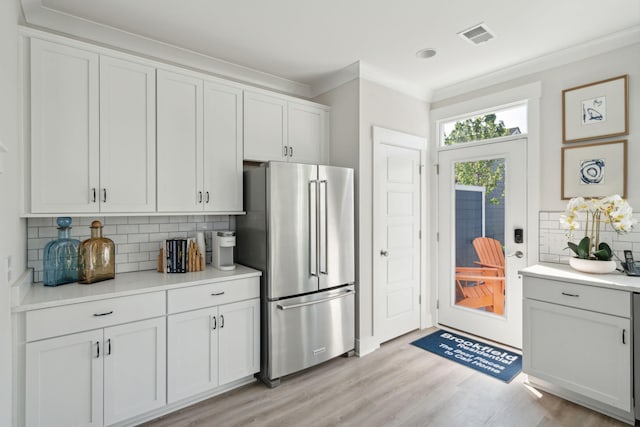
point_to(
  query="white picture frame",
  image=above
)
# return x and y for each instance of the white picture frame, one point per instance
(594, 170)
(595, 110)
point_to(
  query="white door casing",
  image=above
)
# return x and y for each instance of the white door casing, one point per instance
(508, 328)
(398, 191)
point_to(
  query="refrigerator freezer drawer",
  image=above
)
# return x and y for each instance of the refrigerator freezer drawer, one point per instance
(309, 330)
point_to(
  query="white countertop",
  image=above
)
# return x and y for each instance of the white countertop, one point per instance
(139, 282)
(565, 273)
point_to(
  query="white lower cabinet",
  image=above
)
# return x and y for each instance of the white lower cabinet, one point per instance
(98, 377)
(134, 369)
(211, 347)
(64, 381)
(577, 338)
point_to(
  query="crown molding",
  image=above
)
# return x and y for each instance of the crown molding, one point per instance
(555, 59)
(365, 71)
(43, 18)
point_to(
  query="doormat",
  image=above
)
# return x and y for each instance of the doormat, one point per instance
(488, 359)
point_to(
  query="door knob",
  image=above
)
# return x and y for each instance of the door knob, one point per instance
(383, 252)
(517, 254)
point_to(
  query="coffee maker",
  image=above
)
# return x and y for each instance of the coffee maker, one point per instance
(223, 244)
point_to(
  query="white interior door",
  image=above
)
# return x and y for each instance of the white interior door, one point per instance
(396, 232)
(489, 306)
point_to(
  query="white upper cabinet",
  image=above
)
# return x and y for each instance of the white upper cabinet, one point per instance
(64, 129)
(127, 136)
(112, 133)
(265, 127)
(278, 129)
(199, 145)
(222, 148)
(92, 132)
(307, 133)
(179, 143)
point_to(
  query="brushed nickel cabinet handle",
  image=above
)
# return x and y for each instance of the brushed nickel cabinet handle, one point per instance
(93, 195)
(570, 295)
(104, 195)
(97, 349)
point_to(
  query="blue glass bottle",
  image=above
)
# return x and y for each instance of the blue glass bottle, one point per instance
(61, 256)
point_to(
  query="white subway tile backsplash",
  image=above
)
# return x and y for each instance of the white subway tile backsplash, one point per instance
(187, 227)
(128, 229)
(137, 239)
(169, 227)
(149, 228)
(138, 220)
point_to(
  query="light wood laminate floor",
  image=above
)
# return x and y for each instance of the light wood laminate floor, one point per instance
(397, 385)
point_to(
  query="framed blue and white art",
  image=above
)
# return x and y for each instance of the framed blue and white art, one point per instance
(596, 110)
(594, 170)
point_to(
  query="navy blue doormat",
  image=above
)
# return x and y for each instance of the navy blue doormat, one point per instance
(488, 359)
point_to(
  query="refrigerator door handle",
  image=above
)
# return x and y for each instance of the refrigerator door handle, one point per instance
(303, 304)
(313, 225)
(324, 227)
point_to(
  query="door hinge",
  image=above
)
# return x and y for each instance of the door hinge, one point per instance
(420, 169)
(438, 236)
(419, 299)
(437, 304)
(420, 234)
(437, 169)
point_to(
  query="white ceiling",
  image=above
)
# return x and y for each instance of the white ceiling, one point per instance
(307, 41)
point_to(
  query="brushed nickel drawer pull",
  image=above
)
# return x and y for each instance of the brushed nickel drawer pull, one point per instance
(106, 313)
(570, 295)
(217, 294)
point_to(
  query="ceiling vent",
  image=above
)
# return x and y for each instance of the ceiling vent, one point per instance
(477, 34)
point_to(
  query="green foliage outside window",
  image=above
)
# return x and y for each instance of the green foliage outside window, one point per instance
(483, 173)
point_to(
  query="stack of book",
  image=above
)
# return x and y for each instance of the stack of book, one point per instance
(175, 255)
(180, 256)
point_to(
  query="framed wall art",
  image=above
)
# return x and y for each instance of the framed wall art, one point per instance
(596, 110)
(594, 170)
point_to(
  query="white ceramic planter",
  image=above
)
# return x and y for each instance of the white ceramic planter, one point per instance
(592, 265)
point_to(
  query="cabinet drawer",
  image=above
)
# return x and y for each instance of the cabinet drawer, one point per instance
(194, 297)
(603, 300)
(66, 319)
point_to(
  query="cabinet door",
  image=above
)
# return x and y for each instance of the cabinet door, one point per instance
(127, 136)
(222, 148)
(179, 127)
(239, 340)
(134, 369)
(64, 129)
(64, 381)
(192, 365)
(306, 133)
(265, 127)
(582, 351)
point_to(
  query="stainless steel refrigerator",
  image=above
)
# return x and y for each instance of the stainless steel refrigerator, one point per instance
(299, 231)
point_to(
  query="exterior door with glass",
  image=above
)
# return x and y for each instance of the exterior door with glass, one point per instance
(482, 214)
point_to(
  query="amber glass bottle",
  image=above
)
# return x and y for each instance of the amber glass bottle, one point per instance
(96, 257)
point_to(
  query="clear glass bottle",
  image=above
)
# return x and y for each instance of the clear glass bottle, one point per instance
(97, 257)
(61, 256)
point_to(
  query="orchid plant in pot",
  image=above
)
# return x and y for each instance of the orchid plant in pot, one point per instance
(592, 255)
